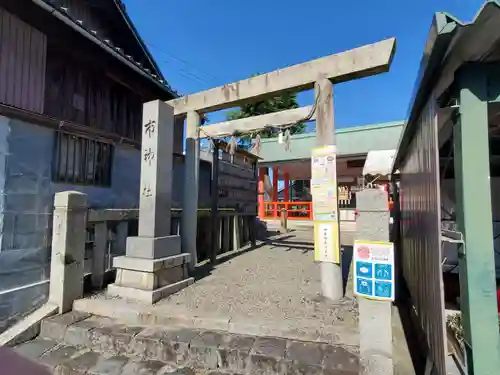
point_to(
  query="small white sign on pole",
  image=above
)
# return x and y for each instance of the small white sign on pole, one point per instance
(374, 270)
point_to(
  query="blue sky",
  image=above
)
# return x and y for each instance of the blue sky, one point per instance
(201, 44)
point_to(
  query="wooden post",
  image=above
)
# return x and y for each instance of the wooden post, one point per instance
(287, 187)
(99, 254)
(284, 220)
(261, 201)
(68, 249)
(215, 203)
(331, 273)
(275, 192)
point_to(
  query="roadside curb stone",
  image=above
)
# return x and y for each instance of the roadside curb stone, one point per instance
(203, 350)
(108, 348)
(36, 348)
(58, 355)
(55, 327)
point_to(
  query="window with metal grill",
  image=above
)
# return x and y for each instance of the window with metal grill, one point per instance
(82, 161)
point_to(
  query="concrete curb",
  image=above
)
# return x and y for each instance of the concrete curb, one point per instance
(128, 312)
(202, 349)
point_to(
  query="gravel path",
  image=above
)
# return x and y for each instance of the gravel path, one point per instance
(278, 282)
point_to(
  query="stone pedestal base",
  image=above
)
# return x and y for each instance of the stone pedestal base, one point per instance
(149, 280)
(153, 248)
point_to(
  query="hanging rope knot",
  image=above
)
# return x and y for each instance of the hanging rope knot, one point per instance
(288, 140)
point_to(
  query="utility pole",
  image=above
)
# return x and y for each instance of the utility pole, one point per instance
(327, 223)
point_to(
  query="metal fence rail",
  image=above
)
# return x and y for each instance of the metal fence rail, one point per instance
(420, 233)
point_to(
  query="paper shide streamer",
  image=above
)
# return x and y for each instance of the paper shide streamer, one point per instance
(232, 146)
(256, 145)
(287, 139)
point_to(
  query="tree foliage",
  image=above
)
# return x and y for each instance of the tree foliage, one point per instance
(286, 100)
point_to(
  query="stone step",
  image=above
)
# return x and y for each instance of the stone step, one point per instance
(64, 359)
(189, 349)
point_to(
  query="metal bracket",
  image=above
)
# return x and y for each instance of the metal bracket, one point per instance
(452, 236)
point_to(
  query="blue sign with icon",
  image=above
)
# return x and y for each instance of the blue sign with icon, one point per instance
(374, 270)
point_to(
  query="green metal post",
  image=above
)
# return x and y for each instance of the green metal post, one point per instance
(474, 219)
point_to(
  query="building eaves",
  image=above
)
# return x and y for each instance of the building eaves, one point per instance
(121, 9)
(450, 44)
(64, 14)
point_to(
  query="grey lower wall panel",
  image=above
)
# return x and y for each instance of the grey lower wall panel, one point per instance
(26, 203)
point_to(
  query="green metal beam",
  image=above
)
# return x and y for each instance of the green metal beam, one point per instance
(474, 219)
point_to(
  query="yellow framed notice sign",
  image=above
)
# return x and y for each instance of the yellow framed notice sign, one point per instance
(326, 241)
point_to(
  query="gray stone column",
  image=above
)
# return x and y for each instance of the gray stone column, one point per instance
(68, 249)
(191, 184)
(375, 327)
(153, 266)
(99, 254)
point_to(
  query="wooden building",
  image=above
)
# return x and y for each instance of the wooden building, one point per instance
(74, 75)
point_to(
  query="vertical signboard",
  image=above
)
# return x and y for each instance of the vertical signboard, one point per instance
(325, 204)
(374, 270)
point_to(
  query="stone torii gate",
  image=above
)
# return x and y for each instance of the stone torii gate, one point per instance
(164, 250)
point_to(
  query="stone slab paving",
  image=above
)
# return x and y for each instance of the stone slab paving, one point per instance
(102, 346)
(272, 290)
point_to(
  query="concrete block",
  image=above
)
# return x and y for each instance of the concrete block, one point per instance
(261, 364)
(108, 366)
(59, 355)
(292, 368)
(142, 367)
(369, 200)
(307, 353)
(270, 346)
(179, 340)
(150, 343)
(73, 199)
(149, 265)
(36, 348)
(148, 296)
(234, 352)
(79, 333)
(337, 358)
(136, 279)
(79, 364)
(55, 327)
(149, 280)
(153, 248)
(203, 350)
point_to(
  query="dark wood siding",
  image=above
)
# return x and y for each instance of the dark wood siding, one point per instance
(22, 64)
(78, 93)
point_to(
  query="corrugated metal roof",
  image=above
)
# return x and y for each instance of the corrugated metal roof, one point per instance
(350, 141)
(451, 43)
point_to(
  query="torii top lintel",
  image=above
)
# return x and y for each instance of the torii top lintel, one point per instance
(356, 63)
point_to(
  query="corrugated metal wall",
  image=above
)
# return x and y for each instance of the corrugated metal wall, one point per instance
(421, 232)
(22, 64)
